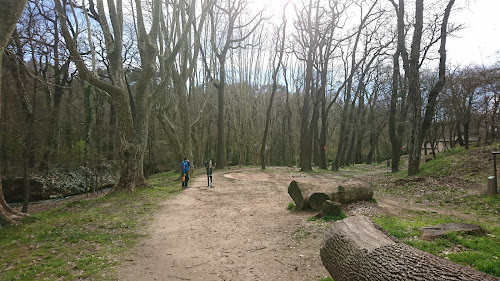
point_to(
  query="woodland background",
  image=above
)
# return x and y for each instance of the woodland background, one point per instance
(136, 86)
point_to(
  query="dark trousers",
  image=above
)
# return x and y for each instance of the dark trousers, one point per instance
(209, 179)
(185, 182)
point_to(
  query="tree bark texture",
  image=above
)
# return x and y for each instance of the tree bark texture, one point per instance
(307, 195)
(345, 193)
(357, 249)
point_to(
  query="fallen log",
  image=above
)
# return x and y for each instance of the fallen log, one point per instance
(357, 249)
(432, 232)
(345, 193)
(300, 193)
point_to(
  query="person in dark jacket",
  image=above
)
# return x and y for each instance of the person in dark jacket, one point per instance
(210, 169)
(185, 172)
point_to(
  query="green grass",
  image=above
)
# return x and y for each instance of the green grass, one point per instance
(467, 164)
(83, 239)
(482, 253)
(291, 207)
(444, 185)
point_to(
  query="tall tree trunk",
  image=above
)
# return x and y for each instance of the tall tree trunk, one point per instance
(314, 128)
(494, 126)
(414, 95)
(288, 117)
(396, 129)
(280, 49)
(10, 12)
(458, 127)
(419, 125)
(305, 131)
(219, 159)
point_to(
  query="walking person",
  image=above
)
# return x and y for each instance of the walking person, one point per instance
(210, 169)
(185, 172)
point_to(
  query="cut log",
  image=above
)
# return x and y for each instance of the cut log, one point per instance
(318, 199)
(331, 208)
(431, 232)
(301, 192)
(345, 193)
(357, 249)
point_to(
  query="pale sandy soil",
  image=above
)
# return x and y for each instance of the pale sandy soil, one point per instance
(239, 230)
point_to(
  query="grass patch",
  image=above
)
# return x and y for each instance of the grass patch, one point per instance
(338, 217)
(481, 253)
(467, 164)
(291, 207)
(83, 239)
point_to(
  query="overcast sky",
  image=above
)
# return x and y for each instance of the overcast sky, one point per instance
(479, 43)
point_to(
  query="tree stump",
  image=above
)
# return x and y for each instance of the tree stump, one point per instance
(331, 208)
(431, 232)
(357, 249)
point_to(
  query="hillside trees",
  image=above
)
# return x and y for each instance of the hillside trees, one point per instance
(357, 64)
(471, 98)
(412, 62)
(330, 98)
(180, 131)
(278, 58)
(133, 108)
(229, 30)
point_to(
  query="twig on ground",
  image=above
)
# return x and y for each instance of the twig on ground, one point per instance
(181, 278)
(191, 266)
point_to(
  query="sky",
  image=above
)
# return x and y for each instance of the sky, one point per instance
(479, 42)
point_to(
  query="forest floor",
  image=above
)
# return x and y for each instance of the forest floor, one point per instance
(242, 230)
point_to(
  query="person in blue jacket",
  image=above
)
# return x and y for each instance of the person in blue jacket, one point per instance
(185, 172)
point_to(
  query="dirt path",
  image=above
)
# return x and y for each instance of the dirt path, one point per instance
(239, 230)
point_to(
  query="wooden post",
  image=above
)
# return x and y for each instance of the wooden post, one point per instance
(492, 189)
(495, 169)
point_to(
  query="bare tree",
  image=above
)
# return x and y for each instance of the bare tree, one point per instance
(352, 64)
(228, 32)
(419, 125)
(133, 111)
(307, 37)
(280, 47)
(411, 63)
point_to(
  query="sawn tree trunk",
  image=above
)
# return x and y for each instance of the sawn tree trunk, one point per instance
(357, 249)
(307, 195)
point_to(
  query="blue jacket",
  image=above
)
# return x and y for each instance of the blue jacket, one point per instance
(185, 167)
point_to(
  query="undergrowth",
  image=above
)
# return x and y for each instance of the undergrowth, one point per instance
(452, 187)
(83, 239)
(480, 252)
